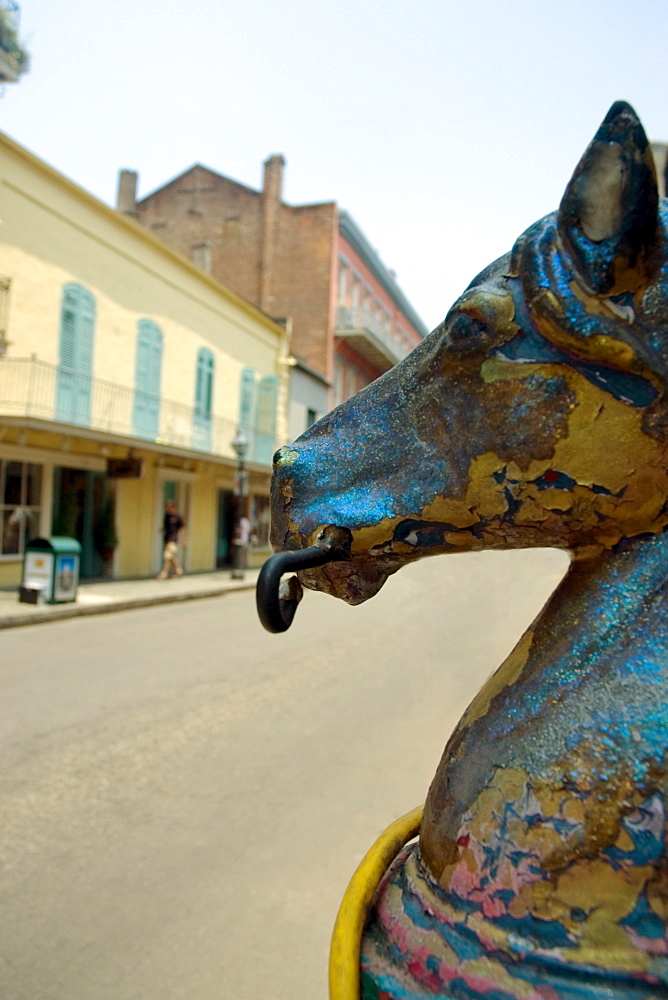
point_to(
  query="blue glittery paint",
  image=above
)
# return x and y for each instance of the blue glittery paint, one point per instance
(530, 347)
(383, 467)
(552, 789)
(590, 686)
(644, 921)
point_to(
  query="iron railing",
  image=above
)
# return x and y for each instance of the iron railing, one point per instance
(357, 318)
(33, 388)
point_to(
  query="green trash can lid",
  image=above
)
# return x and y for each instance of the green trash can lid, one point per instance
(54, 543)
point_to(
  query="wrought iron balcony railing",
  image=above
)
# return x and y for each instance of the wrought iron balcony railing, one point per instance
(36, 389)
(370, 337)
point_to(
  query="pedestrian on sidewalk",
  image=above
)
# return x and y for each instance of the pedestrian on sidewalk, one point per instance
(173, 525)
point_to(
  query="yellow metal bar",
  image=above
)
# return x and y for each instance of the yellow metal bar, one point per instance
(344, 956)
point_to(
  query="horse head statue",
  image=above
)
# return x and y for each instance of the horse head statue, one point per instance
(536, 414)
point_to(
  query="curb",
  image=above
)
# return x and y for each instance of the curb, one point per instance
(79, 610)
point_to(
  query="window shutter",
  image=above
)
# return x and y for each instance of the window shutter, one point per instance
(85, 332)
(265, 421)
(148, 371)
(203, 399)
(68, 324)
(75, 352)
(247, 407)
(204, 382)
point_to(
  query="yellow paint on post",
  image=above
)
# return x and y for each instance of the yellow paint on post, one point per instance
(344, 958)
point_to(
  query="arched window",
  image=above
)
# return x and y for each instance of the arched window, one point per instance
(148, 370)
(75, 355)
(203, 399)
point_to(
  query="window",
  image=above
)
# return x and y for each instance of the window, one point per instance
(343, 283)
(265, 421)
(339, 378)
(355, 293)
(148, 369)
(203, 399)
(311, 417)
(247, 407)
(348, 379)
(201, 255)
(260, 518)
(20, 505)
(75, 355)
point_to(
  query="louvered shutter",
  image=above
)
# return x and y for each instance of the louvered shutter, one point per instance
(84, 356)
(247, 408)
(148, 372)
(265, 422)
(75, 350)
(203, 399)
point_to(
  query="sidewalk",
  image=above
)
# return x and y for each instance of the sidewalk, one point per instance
(120, 595)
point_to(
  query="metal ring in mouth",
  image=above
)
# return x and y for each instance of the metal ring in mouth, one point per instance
(276, 612)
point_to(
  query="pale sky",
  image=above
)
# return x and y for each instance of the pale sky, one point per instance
(444, 128)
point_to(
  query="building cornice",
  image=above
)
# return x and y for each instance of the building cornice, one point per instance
(123, 222)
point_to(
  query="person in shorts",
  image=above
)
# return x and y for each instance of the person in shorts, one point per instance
(172, 525)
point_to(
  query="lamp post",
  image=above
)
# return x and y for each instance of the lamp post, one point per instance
(240, 446)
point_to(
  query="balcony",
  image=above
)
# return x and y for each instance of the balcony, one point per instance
(13, 57)
(45, 393)
(369, 337)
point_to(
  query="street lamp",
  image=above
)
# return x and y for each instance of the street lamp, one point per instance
(240, 446)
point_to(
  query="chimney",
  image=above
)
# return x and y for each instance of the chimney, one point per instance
(126, 198)
(271, 204)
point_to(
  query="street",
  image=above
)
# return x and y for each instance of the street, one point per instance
(183, 797)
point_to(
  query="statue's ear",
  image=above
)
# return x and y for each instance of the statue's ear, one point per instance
(607, 219)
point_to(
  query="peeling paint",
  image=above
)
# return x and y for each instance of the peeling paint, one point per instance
(534, 415)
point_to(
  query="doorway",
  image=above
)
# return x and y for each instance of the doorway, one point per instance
(225, 528)
(78, 501)
(178, 491)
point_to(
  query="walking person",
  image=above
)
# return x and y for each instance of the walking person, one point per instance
(172, 525)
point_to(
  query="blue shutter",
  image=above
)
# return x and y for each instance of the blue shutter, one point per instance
(148, 370)
(265, 421)
(203, 399)
(75, 361)
(247, 408)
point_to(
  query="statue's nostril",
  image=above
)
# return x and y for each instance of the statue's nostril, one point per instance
(285, 456)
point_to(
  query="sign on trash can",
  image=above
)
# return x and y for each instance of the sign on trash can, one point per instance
(50, 570)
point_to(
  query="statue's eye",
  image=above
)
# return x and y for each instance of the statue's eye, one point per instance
(467, 334)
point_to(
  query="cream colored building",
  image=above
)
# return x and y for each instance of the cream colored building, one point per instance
(125, 373)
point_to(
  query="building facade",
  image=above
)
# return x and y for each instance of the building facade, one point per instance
(310, 264)
(125, 373)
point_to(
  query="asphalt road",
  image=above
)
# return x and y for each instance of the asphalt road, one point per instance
(183, 797)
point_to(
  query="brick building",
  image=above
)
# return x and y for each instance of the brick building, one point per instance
(307, 264)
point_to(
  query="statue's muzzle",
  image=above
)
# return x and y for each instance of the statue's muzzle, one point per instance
(277, 600)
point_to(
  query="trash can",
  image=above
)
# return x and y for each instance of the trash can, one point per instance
(50, 570)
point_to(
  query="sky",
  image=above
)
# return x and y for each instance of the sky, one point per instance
(444, 128)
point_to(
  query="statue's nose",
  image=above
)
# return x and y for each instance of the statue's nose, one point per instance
(284, 456)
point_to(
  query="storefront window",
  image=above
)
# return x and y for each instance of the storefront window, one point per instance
(260, 522)
(20, 503)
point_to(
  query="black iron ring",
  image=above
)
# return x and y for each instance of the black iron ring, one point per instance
(276, 613)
